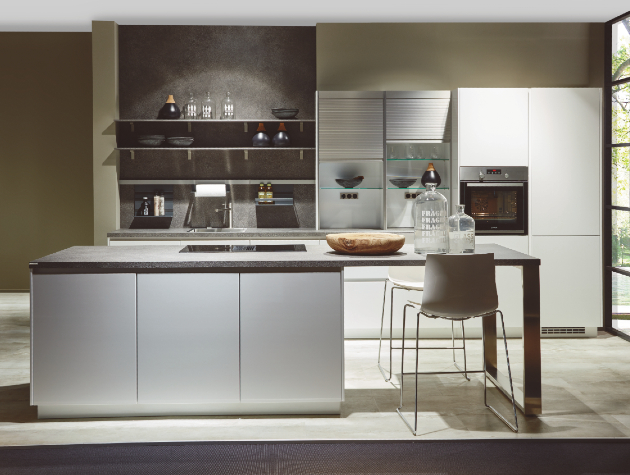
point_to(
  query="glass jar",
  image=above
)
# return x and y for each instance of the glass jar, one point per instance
(461, 233)
(227, 108)
(191, 108)
(208, 107)
(431, 225)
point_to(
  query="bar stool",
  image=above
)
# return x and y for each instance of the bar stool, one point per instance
(457, 288)
(410, 278)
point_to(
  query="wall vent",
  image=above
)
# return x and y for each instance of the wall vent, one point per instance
(563, 330)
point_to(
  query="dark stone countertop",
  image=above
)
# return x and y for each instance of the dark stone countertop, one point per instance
(132, 258)
(249, 233)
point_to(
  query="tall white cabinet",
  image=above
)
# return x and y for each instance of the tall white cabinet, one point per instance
(565, 206)
(556, 132)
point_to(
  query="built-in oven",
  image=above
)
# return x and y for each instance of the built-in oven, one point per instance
(496, 198)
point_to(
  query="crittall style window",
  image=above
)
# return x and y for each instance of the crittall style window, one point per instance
(617, 178)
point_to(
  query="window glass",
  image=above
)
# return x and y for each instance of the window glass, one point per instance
(620, 113)
(620, 176)
(621, 49)
(620, 238)
(621, 302)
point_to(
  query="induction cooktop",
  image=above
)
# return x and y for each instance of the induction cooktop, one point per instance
(246, 248)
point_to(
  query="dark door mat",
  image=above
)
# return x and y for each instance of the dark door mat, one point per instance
(453, 457)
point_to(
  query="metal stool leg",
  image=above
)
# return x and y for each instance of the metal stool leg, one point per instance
(485, 380)
(464, 371)
(413, 429)
(380, 342)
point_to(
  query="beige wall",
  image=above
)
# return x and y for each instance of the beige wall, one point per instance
(45, 149)
(416, 56)
(105, 111)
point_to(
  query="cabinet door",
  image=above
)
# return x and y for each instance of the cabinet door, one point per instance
(425, 117)
(565, 161)
(570, 280)
(291, 336)
(188, 338)
(493, 127)
(350, 128)
(84, 339)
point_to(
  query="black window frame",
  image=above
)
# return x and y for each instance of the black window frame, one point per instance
(609, 269)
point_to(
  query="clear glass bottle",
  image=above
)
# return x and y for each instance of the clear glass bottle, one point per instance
(461, 233)
(431, 223)
(227, 108)
(208, 108)
(191, 108)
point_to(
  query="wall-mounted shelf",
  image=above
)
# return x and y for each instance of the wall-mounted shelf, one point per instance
(341, 189)
(417, 159)
(216, 148)
(421, 188)
(216, 182)
(213, 120)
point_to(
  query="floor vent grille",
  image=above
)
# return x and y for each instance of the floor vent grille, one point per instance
(563, 330)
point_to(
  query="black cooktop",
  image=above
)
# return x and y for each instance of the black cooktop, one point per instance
(246, 248)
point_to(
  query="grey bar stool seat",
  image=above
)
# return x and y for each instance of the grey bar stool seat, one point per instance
(457, 288)
(409, 278)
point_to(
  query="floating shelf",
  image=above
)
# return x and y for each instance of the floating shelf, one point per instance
(340, 188)
(213, 120)
(215, 148)
(418, 159)
(216, 182)
(415, 188)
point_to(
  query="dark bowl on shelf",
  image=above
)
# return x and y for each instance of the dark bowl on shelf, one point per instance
(403, 182)
(285, 113)
(180, 141)
(349, 182)
(151, 140)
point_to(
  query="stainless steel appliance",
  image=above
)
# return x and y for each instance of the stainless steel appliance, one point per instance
(496, 198)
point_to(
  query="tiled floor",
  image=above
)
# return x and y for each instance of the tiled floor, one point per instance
(586, 393)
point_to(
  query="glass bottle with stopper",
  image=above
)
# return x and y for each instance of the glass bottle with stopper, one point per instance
(461, 233)
(431, 225)
(227, 108)
(208, 107)
(191, 109)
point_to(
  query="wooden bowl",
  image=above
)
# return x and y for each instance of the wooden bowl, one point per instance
(366, 243)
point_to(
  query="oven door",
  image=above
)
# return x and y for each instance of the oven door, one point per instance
(497, 208)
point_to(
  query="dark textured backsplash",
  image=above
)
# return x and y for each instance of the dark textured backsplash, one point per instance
(262, 67)
(243, 201)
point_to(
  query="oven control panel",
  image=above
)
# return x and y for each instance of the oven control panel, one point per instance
(511, 174)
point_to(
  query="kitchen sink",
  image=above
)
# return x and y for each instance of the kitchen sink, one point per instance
(217, 230)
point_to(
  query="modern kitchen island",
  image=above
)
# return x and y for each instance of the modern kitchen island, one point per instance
(146, 330)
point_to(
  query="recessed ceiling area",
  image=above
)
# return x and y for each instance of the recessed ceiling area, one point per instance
(77, 15)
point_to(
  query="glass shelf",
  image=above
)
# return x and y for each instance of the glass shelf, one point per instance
(340, 188)
(418, 159)
(416, 188)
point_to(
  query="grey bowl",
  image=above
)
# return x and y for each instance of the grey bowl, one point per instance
(349, 182)
(403, 182)
(180, 141)
(151, 140)
(285, 113)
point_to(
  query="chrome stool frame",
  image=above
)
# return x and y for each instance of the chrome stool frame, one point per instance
(391, 328)
(414, 429)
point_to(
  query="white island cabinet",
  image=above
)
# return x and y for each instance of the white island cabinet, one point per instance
(188, 338)
(291, 337)
(83, 339)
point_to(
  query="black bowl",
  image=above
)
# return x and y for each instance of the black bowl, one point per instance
(180, 141)
(403, 182)
(151, 140)
(349, 182)
(285, 113)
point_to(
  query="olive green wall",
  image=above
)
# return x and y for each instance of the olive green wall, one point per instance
(45, 149)
(416, 56)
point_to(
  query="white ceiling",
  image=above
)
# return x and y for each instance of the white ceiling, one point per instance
(77, 15)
